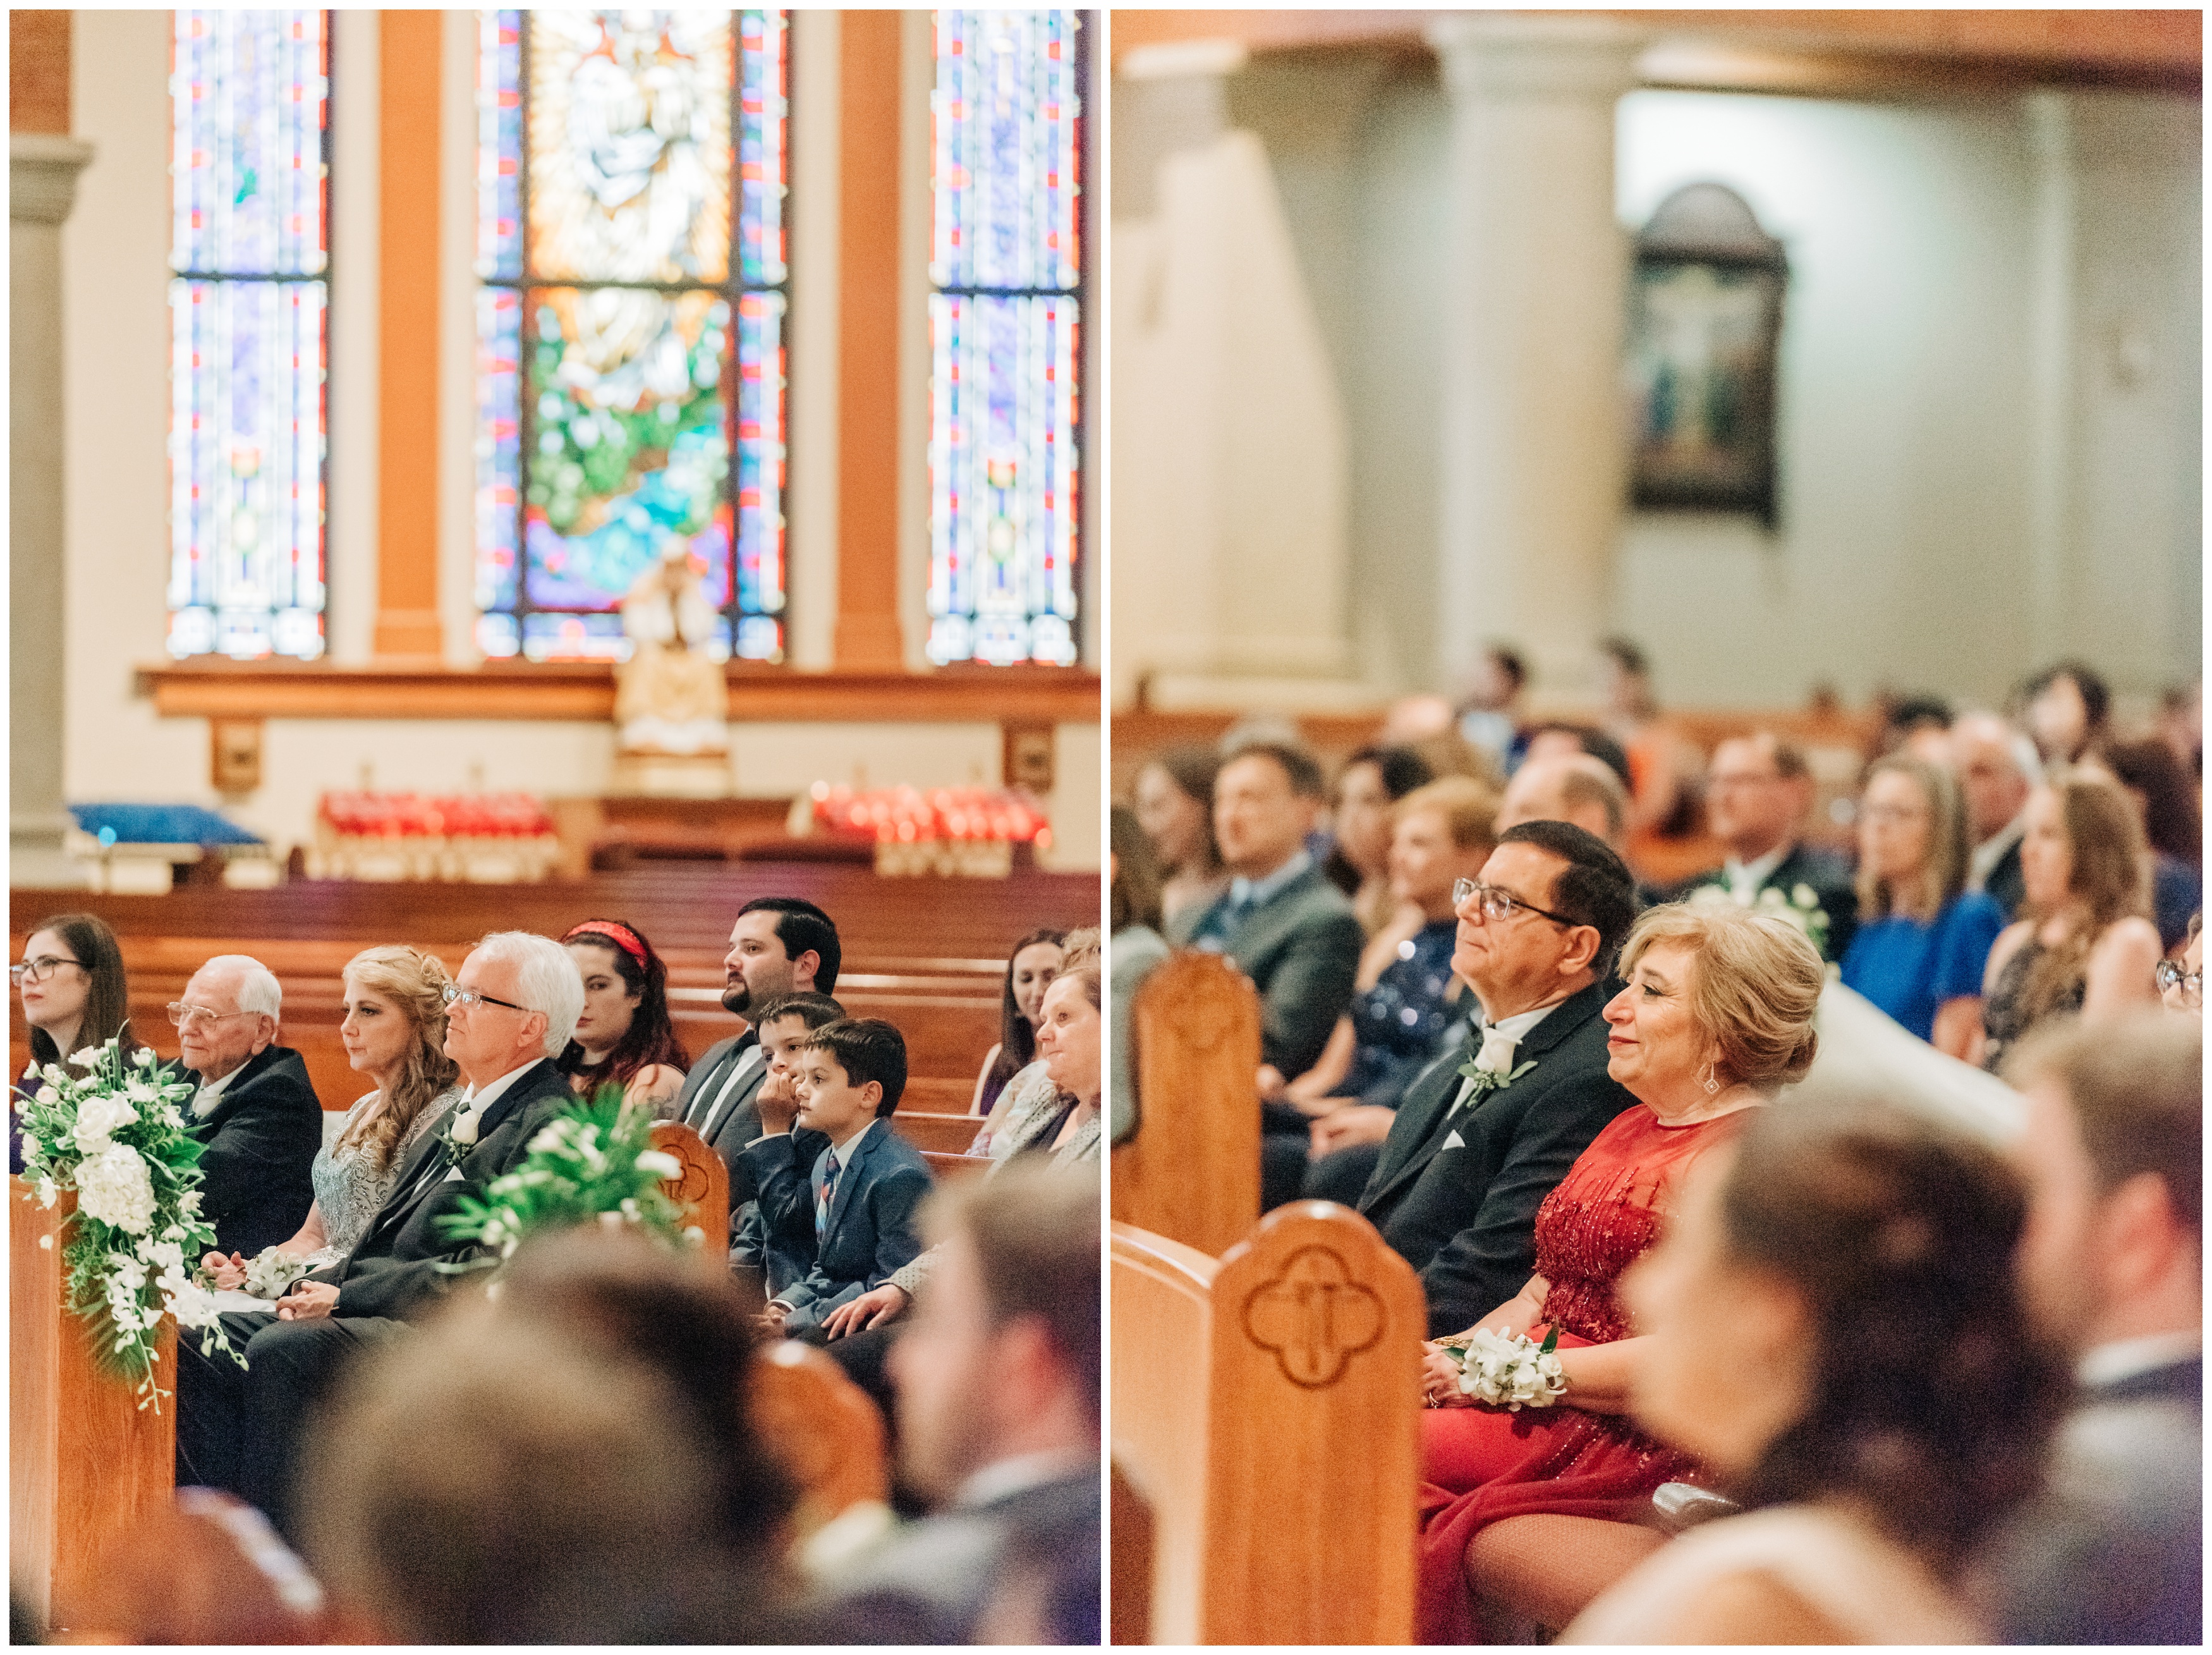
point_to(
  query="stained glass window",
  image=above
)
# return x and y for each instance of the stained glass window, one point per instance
(1005, 263)
(630, 182)
(249, 303)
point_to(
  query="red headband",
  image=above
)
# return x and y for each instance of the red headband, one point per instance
(627, 940)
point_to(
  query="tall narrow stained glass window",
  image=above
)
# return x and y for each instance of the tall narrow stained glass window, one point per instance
(630, 258)
(249, 302)
(1005, 262)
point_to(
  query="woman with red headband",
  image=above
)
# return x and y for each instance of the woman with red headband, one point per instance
(624, 1038)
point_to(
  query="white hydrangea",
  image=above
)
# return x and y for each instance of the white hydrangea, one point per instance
(114, 1186)
(98, 1119)
(49, 1193)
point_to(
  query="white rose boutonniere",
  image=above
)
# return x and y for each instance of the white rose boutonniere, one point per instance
(1492, 1069)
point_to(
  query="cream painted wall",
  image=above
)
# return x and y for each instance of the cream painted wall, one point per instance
(116, 345)
(1912, 402)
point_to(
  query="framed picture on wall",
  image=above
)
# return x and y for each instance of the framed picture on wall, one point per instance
(1704, 323)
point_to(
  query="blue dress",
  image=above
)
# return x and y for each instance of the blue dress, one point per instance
(1909, 969)
(1396, 1023)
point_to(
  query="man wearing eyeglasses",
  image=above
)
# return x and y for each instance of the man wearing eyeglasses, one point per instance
(1467, 1161)
(255, 1111)
(510, 1012)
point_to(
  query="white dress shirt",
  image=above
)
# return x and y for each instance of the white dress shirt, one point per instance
(1745, 879)
(2123, 1359)
(1510, 1031)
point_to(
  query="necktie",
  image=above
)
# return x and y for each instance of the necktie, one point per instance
(707, 1102)
(828, 1195)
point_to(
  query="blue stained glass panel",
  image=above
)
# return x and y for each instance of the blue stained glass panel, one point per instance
(246, 450)
(249, 96)
(499, 144)
(1003, 165)
(498, 444)
(1005, 338)
(764, 38)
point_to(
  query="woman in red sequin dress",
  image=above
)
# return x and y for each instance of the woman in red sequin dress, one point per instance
(1715, 1017)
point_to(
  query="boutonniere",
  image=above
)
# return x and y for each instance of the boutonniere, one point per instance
(458, 1134)
(1482, 1081)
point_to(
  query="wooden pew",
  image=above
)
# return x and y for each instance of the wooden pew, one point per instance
(85, 1463)
(946, 1135)
(951, 1168)
(1265, 1432)
(702, 1189)
(1192, 1172)
(826, 1430)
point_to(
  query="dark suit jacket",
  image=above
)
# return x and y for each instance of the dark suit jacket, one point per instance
(392, 1270)
(2006, 885)
(1829, 877)
(728, 1125)
(1464, 1215)
(872, 1230)
(929, 1582)
(2113, 1552)
(261, 1139)
(1301, 949)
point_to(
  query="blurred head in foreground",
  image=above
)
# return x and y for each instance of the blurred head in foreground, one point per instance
(572, 1463)
(1003, 1358)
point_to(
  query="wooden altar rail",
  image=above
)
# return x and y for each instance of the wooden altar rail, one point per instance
(1265, 1434)
(85, 1461)
(1191, 1172)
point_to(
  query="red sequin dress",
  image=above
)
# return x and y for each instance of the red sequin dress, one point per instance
(1480, 1465)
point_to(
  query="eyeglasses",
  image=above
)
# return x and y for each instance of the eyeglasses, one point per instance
(2191, 983)
(1499, 904)
(455, 996)
(39, 970)
(1893, 812)
(185, 1016)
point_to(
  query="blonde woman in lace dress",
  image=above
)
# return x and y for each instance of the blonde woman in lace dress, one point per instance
(395, 1033)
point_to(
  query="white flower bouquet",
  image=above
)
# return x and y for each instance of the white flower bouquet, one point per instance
(593, 1161)
(1801, 908)
(1509, 1370)
(114, 1132)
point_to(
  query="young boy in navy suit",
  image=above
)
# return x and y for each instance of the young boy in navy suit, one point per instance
(863, 1191)
(774, 1259)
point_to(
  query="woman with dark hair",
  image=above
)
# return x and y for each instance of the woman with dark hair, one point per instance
(1030, 971)
(2165, 797)
(1834, 1333)
(1174, 802)
(2081, 943)
(1368, 790)
(2068, 707)
(1922, 938)
(1134, 950)
(74, 995)
(624, 1038)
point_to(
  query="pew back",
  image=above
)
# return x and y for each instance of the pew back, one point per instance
(1264, 1409)
(1191, 1172)
(828, 1433)
(702, 1189)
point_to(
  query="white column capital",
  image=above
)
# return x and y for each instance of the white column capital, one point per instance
(42, 169)
(1553, 55)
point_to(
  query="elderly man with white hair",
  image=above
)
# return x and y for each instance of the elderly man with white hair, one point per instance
(255, 1113)
(510, 1011)
(1997, 768)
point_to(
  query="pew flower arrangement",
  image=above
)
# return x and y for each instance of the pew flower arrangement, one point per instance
(113, 1131)
(594, 1162)
(1801, 908)
(1509, 1370)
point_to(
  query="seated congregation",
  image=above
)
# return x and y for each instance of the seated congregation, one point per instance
(935, 1277)
(1700, 1355)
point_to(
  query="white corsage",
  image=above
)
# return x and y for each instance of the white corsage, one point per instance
(1509, 1370)
(272, 1271)
(1801, 908)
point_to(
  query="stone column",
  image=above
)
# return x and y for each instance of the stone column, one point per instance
(41, 189)
(1534, 461)
(1229, 454)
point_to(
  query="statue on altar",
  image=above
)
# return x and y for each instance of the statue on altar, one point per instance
(670, 695)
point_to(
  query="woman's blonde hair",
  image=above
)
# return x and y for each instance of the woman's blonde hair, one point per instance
(1942, 873)
(414, 982)
(1751, 992)
(1469, 809)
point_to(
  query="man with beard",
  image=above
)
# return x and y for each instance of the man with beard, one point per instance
(779, 946)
